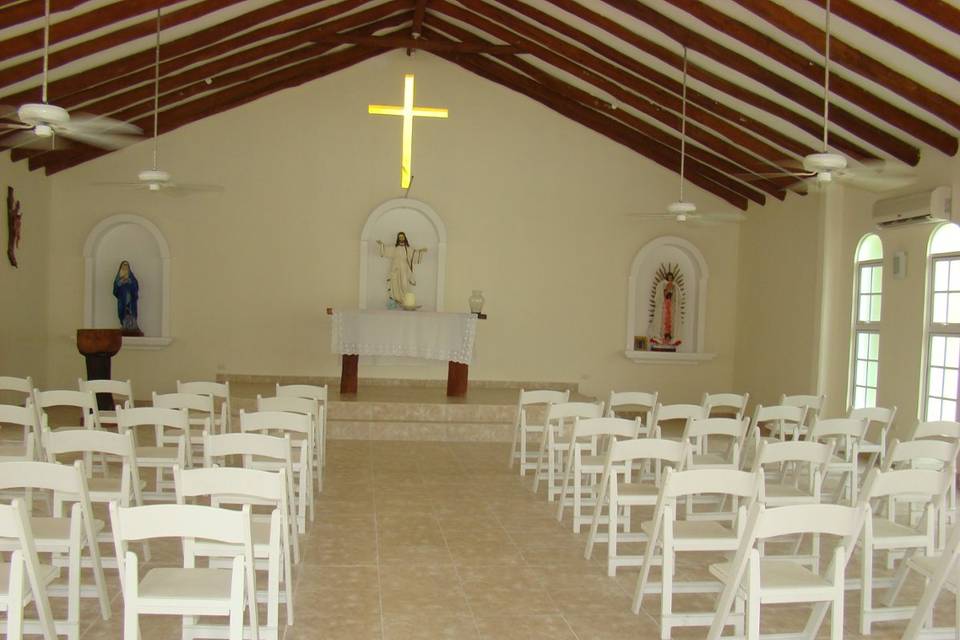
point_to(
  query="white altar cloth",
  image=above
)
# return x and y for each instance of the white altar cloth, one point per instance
(418, 334)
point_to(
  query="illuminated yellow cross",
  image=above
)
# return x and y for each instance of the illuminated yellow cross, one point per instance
(408, 111)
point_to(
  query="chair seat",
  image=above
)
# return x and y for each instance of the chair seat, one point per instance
(16, 451)
(695, 529)
(883, 528)
(928, 565)
(55, 532)
(101, 486)
(186, 584)
(259, 535)
(47, 575)
(638, 489)
(777, 575)
(146, 455)
(710, 459)
(786, 491)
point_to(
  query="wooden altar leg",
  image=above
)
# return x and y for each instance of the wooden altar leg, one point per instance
(457, 379)
(98, 368)
(348, 373)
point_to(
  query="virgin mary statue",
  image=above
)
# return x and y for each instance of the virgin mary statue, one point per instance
(126, 290)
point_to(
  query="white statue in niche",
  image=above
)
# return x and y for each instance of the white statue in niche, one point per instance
(401, 280)
(668, 298)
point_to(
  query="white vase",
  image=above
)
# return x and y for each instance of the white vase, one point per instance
(476, 301)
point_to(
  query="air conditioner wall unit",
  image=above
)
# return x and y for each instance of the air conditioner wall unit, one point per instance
(931, 205)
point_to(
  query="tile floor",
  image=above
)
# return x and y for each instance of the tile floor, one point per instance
(438, 540)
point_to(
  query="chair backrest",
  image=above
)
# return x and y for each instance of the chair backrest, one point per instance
(156, 417)
(732, 427)
(217, 446)
(294, 404)
(312, 391)
(907, 482)
(219, 390)
(937, 429)
(86, 401)
(178, 521)
(542, 396)
(563, 410)
(830, 519)
(805, 451)
(15, 525)
(833, 427)
(267, 421)
(198, 402)
(737, 402)
(43, 475)
(732, 482)
(912, 451)
(89, 441)
(633, 401)
(12, 387)
(23, 417)
(679, 412)
(670, 451)
(614, 427)
(879, 420)
(232, 485)
(123, 388)
(811, 405)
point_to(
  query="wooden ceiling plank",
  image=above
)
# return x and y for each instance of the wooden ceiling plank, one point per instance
(25, 11)
(585, 98)
(867, 132)
(383, 42)
(844, 54)
(895, 35)
(597, 122)
(722, 84)
(230, 98)
(940, 12)
(419, 9)
(64, 87)
(584, 65)
(78, 25)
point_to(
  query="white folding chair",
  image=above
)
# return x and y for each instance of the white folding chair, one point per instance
(24, 419)
(811, 405)
(887, 534)
(560, 418)
(759, 580)
(220, 392)
(674, 414)
(166, 425)
(24, 580)
(16, 387)
(940, 572)
(121, 392)
(58, 535)
(318, 393)
(879, 422)
(525, 425)
(189, 591)
(732, 430)
(307, 406)
(217, 449)
(846, 434)
(200, 413)
(778, 420)
(633, 404)
(674, 536)
(726, 405)
(941, 430)
(298, 426)
(620, 496)
(83, 401)
(270, 534)
(590, 439)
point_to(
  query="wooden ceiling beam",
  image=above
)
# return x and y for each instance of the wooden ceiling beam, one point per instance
(21, 12)
(62, 88)
(723, 84)
(596, 121)
(66, 55)
(850, 57)
(419, 10)
(642, 95)
(231, 98)
(383, 42)
(867, 132)
(943, 13)
(78, 25)
(895, 35)
(587, 99)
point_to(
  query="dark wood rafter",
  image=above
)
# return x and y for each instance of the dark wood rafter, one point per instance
(63, 88)
(63, 30)
(867, 132)
(419, 10)
(811, 126)
(585, 98)
(641, 95)
(851, 58)
(143, 111)
(896, 35)
(60, 57)
(234, 96)
(25, 11)
(596, 121)
(383, 42)
(942, 13)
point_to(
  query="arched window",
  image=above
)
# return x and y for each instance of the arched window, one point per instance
(865, 360)
(943, 325)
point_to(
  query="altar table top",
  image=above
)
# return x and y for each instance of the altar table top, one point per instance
(418, 334)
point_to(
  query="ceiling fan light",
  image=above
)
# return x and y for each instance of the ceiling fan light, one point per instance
(824, 162)
(681, 208)
(43, 130)
(154, 176)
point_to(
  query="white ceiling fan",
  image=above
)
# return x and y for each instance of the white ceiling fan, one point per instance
(683, 210)
(825, 167)
(38, 125)
(155, 179)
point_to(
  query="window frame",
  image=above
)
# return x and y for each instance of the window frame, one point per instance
(935, 330)
(864, 328)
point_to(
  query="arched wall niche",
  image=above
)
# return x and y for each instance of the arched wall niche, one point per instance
(668, 250)
(423, 228)
(134, 238)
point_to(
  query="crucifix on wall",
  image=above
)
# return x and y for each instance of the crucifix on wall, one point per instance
(409, 112)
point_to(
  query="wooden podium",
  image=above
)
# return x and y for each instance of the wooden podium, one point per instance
(97, 346)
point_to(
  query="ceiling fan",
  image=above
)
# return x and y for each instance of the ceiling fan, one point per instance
(683, 210)
(825, 167)
(155, 179)
(38, 125)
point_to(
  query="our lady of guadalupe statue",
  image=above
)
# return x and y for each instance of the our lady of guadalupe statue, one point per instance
(667, 307)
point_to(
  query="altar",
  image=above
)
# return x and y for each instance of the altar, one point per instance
(431, 335)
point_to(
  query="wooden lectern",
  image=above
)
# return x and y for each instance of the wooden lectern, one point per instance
(97, 346)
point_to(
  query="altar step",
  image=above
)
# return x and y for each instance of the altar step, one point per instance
(406, 409)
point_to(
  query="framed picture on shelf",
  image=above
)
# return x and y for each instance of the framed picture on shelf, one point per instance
(640, 343)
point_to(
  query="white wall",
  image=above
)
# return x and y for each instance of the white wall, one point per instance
(534, 206)
(23, 291)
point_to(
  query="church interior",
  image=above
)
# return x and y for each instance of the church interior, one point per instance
(679, 198)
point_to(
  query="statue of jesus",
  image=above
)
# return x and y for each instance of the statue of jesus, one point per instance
(403, 258)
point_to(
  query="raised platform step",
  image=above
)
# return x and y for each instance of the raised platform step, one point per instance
(406, 409)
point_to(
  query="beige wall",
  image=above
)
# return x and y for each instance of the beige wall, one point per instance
(534, 206)
(23, 291)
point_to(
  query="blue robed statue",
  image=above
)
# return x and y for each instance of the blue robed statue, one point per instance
(126, 290)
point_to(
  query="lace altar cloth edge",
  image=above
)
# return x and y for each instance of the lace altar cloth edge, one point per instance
(417, 334)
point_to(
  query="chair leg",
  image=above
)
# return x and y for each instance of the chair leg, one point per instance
(15, 598)
(666, 594)
(597, 512)
(566, 483)
(513, 449)
(577, 497)
(866, 590)
(612, 528)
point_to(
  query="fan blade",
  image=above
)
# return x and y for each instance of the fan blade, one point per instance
(8, 113)
(131, 185)
(92, 123)
(878, 176)
(27, 139)
(664, 215)
(197, 188)
(721, 216)
(101, 140)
